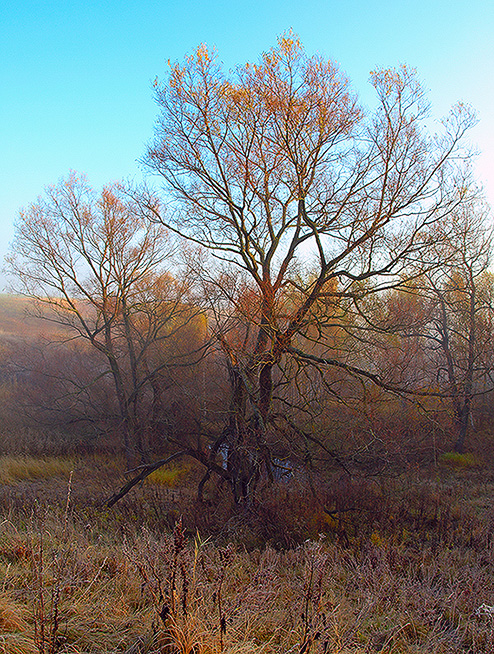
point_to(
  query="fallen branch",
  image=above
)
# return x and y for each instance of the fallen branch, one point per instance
(146, 470)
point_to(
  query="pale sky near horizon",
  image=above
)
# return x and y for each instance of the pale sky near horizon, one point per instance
(76, 76)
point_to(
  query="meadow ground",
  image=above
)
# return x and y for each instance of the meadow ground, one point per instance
(401, 564)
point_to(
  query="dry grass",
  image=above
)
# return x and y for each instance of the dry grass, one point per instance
(405, 573)
(21, 468)
(170, 477)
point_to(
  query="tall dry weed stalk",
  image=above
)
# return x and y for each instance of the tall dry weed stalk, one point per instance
(311, 602)
(226, 555)
(49, 581)
(167, 568)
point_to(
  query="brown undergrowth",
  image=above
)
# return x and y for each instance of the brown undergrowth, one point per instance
(402, 565)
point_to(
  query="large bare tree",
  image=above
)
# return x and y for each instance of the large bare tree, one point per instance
(275, 164)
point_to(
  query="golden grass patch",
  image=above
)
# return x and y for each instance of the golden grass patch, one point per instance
(12, 615)
(27, 468)
(17, 644)
(458, 461)
(169, 477)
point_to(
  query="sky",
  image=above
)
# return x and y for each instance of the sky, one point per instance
(76, 76)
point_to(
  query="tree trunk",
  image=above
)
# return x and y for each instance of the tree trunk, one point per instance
(462, 418)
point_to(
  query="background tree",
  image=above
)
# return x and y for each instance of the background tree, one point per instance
(456, 297)
(96, 266)
(277, 164)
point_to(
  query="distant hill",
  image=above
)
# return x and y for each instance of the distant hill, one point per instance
(17, 319)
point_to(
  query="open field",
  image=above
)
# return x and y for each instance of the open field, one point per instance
(396, 565)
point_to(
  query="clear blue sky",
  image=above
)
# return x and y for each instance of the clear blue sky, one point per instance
(76, 75)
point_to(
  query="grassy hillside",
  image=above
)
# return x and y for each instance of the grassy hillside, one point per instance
(17, 318)
(14, 316)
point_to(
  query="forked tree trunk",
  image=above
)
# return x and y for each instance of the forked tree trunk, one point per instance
(247, 448)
